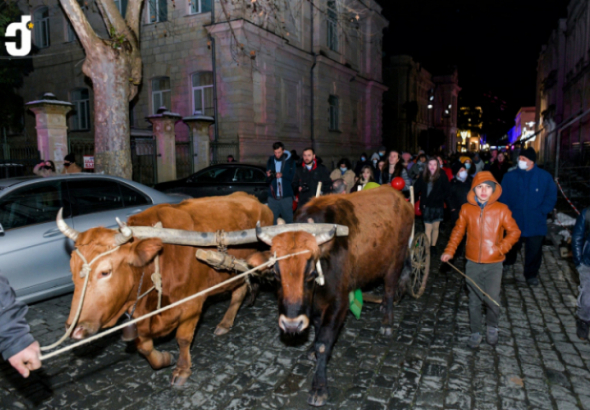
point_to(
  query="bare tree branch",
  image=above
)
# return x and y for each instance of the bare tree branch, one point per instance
(85, 32)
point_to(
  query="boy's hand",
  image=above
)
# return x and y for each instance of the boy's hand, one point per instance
(446, 257)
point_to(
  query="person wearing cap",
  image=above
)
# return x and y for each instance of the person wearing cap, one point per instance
(70, 166)
(485, 220)
(531, 194)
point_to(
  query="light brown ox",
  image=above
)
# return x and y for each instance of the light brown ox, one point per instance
(114, 279)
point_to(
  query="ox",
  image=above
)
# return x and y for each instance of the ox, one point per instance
(380, 224)
(115, 278)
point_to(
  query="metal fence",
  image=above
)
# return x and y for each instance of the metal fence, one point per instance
(222, 149)
(18, 159)
(143, 160)
(184, 159)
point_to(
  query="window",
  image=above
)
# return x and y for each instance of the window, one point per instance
(199, 6)
(202, 86)
(214, 175)
(249, 175)
(332, 26)
(160, 93)
(88, 196)
(157, 11)
(333, 101)
(70, 33)
(131, 197)
(122, 6)
(41, 27)
(31, 205)
(81, 117)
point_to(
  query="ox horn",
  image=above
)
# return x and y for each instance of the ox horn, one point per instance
(64, 228)
(125, 234)
(325, 237)
(264, 237)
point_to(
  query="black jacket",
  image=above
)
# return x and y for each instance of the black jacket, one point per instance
(308, 180)
(498, 169)
(359, 166)
(288, 171)
(439, 194)
(14, 331)
(458, 195)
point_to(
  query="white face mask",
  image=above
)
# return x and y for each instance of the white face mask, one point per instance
(343, 170)
(462, 175)
(522, 164)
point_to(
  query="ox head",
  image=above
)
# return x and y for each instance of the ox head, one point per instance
(298, 274)
(112, 276)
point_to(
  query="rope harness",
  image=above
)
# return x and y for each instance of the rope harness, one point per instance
(86, 269)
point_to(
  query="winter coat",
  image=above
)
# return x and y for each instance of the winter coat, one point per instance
(580, 238)
(359, 166)
(485, 226)
(530, 195)
(348, 177)
(439, 194)
(458, 196)
(386, 177)
(288, 171)
(15, 334)
(308, 180)
(498, 169)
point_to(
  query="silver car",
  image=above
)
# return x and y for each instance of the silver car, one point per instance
(34, 255)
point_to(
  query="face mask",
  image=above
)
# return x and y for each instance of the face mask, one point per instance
(522, 164)
(374, 163)
(462, 176)
(363, 159)
(381, 154)
(343, 170)
(468, 165)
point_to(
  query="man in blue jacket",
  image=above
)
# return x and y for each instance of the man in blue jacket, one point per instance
(531, 194)
(581, 254)
(17, 345)
(280, 170)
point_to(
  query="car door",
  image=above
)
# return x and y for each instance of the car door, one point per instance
(212, 181)
(251, 180)
(98, 202)
(34, 255)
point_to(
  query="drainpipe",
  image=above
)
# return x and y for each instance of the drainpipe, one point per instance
(214, 67)
(312, 136)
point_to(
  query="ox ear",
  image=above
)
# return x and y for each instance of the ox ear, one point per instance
(144, 251)
(258, 258)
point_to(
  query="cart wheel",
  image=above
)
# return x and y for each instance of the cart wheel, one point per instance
(420, 257)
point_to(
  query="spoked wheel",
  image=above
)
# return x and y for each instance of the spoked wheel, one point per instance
(420, 257)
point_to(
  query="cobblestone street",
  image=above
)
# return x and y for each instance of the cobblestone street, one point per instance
(539, 362)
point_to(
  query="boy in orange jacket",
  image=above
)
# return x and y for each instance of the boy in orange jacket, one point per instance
(485, 220)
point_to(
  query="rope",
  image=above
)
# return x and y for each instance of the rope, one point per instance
(566, 198)
(173, 305)
(474, 284)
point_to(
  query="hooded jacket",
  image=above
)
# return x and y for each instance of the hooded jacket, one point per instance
(288, 171)
(14, 331)
(485, 226)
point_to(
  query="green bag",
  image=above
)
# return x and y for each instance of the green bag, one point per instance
(356, 302)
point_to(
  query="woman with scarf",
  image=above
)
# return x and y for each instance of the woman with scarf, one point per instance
(343, 171)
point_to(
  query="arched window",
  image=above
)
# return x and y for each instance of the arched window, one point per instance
(160, 93)
(80, 120)
(202, 93)
(41, 27)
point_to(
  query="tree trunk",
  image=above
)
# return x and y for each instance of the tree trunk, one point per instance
(110, 75)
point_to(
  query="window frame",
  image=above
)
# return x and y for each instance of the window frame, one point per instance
(41, 25)
(334, 114)
(332, 40)
(158, 12)
(161, 93)
(199, 9)
(202, 88)
(81, 106)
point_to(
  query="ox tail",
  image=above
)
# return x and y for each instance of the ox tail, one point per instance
(404, 280)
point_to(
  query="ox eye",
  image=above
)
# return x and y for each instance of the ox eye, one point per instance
(312, 275)
(105, 273)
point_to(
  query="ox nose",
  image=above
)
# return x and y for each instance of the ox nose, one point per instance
(295, 325)
(79, 333)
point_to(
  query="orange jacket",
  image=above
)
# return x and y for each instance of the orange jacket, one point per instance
(485, 226)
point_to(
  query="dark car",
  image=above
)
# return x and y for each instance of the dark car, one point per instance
(221, 179)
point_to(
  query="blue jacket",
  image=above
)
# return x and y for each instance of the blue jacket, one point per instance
(288, 170)
(530, 195)
(580, 237)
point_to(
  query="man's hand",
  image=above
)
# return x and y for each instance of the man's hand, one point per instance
(27, 359)
(446, 257)
(268, 173)
(279, 175)
(300, 189)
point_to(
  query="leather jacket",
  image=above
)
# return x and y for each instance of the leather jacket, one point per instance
(580, 238)
(485, 226)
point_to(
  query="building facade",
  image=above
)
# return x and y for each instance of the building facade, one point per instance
(418, 103)
(307, 74)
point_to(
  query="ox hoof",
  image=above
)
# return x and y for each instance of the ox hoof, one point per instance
(220, 331)
(386, 331)
(179, 378)
(318, 397)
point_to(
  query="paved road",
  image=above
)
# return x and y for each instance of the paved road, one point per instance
(538, 364)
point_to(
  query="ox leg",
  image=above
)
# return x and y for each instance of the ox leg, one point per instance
(391, 287)
(155, 358)
(184, 338)
(332, 321)
(237, 297)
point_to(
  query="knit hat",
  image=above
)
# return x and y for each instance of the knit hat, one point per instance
(529, 153)
(492, 184)
(464, 158)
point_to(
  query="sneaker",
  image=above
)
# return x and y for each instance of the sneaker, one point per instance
(492, 336)
(532, 281)
(582, 328)
(474, 340)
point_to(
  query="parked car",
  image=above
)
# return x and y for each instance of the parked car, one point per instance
(34, 255)
(221, 179)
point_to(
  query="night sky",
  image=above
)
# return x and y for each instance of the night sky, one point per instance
(494, 44)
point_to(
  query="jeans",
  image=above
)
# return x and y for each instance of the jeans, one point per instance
(281, 208)
(488, 277)
(533, 255)
(584, 296)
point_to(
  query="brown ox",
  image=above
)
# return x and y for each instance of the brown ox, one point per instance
(380, 224)
(114, 278)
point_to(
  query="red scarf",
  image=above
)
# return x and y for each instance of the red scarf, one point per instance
(314, 166)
